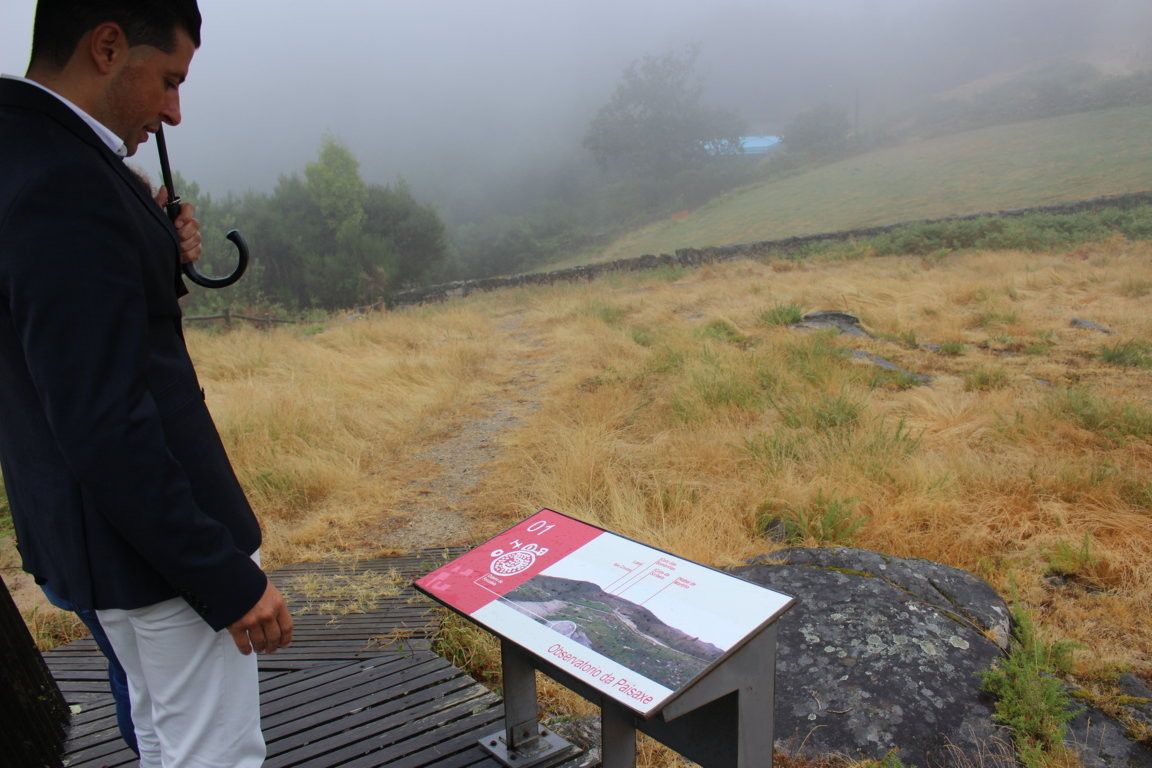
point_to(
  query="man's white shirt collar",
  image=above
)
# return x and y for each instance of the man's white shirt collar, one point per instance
(114, 142)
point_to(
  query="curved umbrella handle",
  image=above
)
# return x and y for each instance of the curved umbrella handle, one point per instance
(173, 210)
(221, 282)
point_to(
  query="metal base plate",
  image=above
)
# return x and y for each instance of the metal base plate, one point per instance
(546, 750)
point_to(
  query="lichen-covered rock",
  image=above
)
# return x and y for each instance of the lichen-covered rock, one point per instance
(1101, 742)
(832, 318)
(1139, 695)
(1089, 325)
(884, 653)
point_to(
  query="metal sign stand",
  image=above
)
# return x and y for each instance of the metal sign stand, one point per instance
(724, 720)
(523, 742)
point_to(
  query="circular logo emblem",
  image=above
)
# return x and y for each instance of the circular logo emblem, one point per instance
(512, 563)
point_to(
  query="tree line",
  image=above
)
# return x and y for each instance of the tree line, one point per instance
(327, 240)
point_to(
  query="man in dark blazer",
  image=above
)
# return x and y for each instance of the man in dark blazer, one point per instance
(122, 496)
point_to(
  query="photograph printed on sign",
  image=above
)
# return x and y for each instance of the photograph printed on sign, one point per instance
(666, 618)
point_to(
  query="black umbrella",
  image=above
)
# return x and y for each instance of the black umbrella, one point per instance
(173, 210)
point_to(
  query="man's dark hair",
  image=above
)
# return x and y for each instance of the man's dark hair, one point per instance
(60, 24)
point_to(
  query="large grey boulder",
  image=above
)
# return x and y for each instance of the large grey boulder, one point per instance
(882, 653)
(1103, 742)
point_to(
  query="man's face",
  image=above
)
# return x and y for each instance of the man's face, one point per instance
(145, 92)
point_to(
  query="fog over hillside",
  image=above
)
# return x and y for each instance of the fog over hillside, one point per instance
(459, 97)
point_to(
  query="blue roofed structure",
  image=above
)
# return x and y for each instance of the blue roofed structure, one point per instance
(759, 145)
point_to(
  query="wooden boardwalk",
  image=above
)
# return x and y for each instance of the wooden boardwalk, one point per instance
(358, 687)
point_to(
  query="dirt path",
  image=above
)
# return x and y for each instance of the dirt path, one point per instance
(437, 508)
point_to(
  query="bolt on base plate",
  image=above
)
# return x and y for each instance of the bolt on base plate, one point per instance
(547, 749)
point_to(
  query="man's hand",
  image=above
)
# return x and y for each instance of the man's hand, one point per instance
(187, 228)
(267, 625)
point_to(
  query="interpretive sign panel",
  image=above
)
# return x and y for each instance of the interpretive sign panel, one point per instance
(636, 623)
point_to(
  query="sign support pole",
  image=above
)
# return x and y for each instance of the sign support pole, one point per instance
(521, 710)
(617, 736)
(523, 742)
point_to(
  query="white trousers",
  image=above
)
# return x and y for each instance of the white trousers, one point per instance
(195, 697)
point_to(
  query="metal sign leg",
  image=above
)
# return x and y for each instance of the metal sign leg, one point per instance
(523, 742)
(617, 736)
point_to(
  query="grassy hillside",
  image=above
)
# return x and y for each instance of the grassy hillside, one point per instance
(1072, 157)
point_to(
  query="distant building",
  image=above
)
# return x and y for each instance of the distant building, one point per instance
(759, 145)
(750, 146)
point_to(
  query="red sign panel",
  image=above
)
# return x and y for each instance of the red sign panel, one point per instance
(489, 572)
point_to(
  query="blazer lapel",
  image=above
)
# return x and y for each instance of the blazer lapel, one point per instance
(18, 94)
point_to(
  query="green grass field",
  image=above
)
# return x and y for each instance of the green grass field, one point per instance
(1072, 157)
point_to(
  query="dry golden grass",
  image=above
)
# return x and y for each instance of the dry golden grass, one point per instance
(353, 591)
(50, 626)
(671, 413)
(320, 426)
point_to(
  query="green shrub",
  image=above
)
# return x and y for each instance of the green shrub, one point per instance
(722, 330)
(816, 357)
(890, 760)
(985, 379)
(835, 412)
(951, 349)
(1029, 232)
(826, 412)
(606, 313)
(778, 448)
(1115, 420)
(781, 314)
(722, 387)
(880, 444)
(1030, 699)
(826, 520)
(995, 317)
(1066, 559)
(1129, 354)
(643, 336)
(895, 380)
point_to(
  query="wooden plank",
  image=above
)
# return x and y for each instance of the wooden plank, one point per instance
(398, 735)
(356, 688)
(106, 748)
(303, 679)
(341, 680)
(370, 692)
(329, 728)
(461, 750)
(475, 757)
(440, 735)
(394, 694)
(95, 710)
(327, 722)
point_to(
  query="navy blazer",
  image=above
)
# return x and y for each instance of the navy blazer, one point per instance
(120, 490)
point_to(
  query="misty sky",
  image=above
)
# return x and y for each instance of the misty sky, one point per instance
(452, 93)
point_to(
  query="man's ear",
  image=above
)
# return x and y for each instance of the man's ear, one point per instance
(107, 46)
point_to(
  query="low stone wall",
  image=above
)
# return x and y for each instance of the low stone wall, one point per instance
(691, 257)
